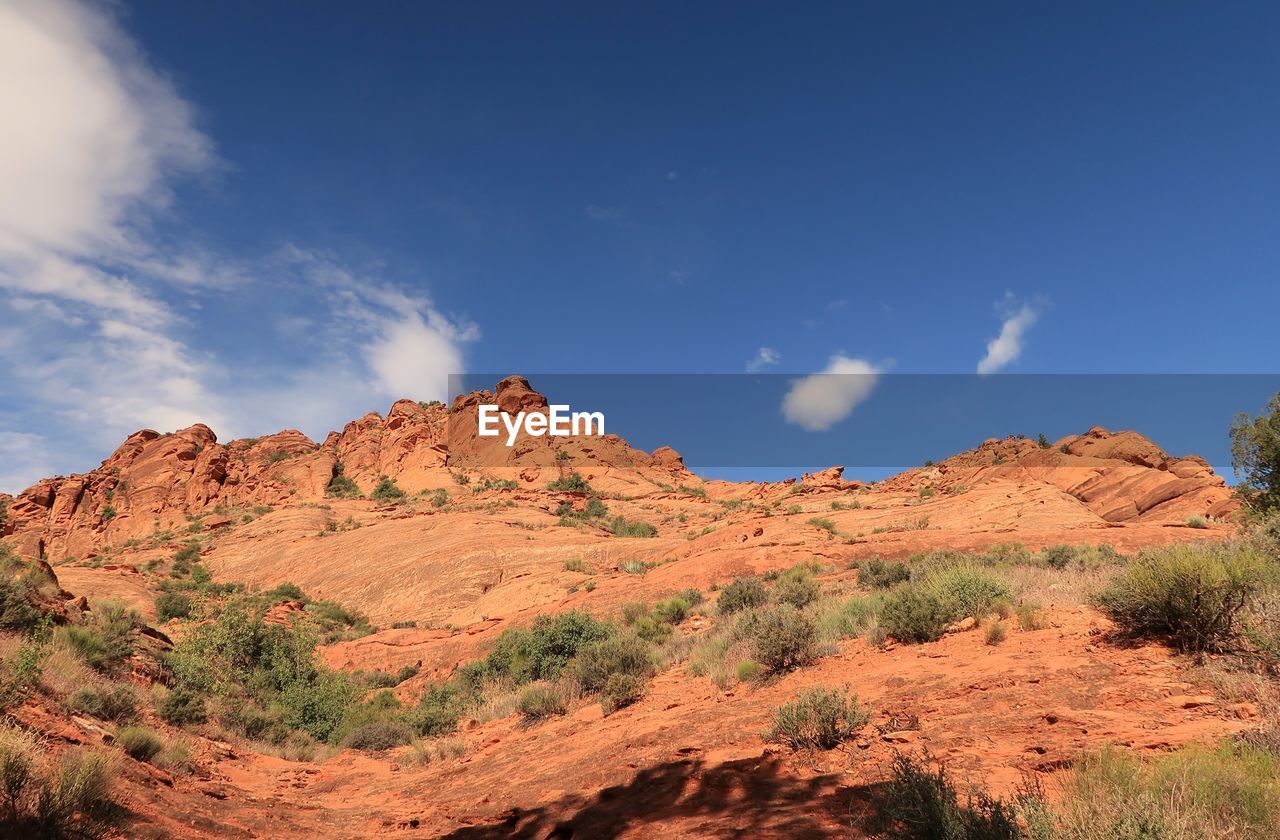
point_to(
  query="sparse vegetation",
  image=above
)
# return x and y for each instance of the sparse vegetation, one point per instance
(741, 594)
(1195, 595)
(341, 486)
(820, 718)
(40, 796)
(573, 483)
(386, 491)
(139, 742)
(111, 702)
(878, 574)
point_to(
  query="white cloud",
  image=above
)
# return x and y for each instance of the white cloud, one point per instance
(23, 457)
(765, 357)
(95, 330)
(1007, 346)
(819, 401)
(90, 129)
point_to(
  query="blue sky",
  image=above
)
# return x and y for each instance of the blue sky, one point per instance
(287, 214)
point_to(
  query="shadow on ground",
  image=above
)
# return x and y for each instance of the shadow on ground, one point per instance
(746, 798)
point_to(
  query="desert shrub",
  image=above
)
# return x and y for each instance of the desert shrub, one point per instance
(620, 527)
(541, 700)
(17, 612)
(913, 613)
(181, 707)
(110, 702)
(672, 610)
(139, 742)
(387, 491)
(619, 654)
(783, 638)
(877, 574)
(633, 567)
(340, 486)
(286, 592)
(21, 673)
(240, 656)
(797, 587)
(823, 523)
(577, 564)
(741, 594)
(1058, 556)
(542, 650)
(748, 670)
(573, 483)
(438, 710)
(820, 718)
(594, 509)
(995, 633)
(919, 803)
(622, 690)
(378, 735)
(965, 590)
(1193, 594)
(439, 497)
(1195, 792)
(849, 618)
(1029, 617)
(106, 640)
(1197, 522)
(173, 605)
(69, 797)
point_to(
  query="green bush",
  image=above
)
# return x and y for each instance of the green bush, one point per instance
(620, 654)
(340, 486)
(112, 702)
(139, 742)
(783, 638)
(173, 605)
(620, 527)
(69, 797)
(107, 640)
(574, 483)
(823, 523)
(541, 700)
(387, 491)
(877, 574)
(437, 711)
(181, 707)
(1193, 594)
(621, 690)
(913, 614)
(797, 587)
(924, 804)
(820, 718)
(741, 594)
(541, 651)
(672, 610)
(966, 591)
(17, 612)
(379, 735)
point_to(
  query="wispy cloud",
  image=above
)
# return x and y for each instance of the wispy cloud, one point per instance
(1006, 347)
(96, 336)
(765, 357)
(819, 401)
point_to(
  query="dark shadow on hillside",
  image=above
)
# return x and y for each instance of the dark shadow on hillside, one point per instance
(745, 798)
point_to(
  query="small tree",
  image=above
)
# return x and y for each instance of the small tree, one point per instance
(1255, 456)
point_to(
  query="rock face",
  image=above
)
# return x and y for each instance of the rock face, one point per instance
(155, 482)
(1119, 476)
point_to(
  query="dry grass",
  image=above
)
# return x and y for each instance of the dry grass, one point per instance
(432, 751)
